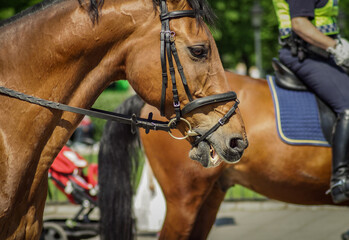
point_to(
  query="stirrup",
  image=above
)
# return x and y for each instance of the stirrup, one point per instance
(339, 190)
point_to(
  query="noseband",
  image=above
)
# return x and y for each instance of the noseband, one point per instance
(168, 48)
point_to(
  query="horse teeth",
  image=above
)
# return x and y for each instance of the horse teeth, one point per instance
(213, 160)
(213, 156)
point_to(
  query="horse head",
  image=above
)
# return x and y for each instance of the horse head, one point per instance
(203, 72)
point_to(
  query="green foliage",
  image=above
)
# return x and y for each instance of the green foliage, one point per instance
(9, 8)
(233, 33)
(108, 101)
(238, 193)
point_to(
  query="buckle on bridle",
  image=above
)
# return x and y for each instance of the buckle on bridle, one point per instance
(172, 36)
(221, 121)
(176, 104)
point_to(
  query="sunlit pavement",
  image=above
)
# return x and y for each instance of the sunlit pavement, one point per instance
(265, 220)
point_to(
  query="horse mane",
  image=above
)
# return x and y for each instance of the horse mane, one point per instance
(202, 9)
(93, 10)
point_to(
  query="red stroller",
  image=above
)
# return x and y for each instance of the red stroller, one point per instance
(68, 175)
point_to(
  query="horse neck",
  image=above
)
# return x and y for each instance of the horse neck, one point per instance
(60, 49)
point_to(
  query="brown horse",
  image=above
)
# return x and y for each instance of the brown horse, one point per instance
(293, 174)
(68, 51)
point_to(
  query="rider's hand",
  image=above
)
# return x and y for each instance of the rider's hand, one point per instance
(340, 52)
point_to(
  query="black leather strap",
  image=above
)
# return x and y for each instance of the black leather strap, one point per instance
(224, 97)
(164, 26)
(168, 50)
(181, 72)
(176, 102)
(177, 14)
(164, 72)
(221, 122)
(148, 124)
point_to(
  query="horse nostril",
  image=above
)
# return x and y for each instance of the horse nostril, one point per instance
(238, 143)
(234, 142)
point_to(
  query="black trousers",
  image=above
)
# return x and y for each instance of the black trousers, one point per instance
(329, 81)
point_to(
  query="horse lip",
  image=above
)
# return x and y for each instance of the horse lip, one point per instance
(233, 157)
(202, 154)
(214, 158)
(230, 156)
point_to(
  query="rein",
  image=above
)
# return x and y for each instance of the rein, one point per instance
(147, 124)
(167, 48)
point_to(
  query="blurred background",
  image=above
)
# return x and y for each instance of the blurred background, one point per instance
(246, 34)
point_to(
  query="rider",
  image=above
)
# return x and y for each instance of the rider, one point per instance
(314, 51)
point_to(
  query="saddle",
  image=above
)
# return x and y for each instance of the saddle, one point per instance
(285, 78)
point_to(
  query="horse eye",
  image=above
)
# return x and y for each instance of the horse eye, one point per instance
(198, 51)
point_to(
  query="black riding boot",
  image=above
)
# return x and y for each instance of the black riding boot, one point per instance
(340, 159)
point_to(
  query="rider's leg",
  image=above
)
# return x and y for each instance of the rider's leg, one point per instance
(331, 84)
(340, 159)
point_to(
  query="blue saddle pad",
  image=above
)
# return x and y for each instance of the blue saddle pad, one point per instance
(297, 116)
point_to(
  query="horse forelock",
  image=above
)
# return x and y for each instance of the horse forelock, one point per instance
(93, 8)
(202, 10)
(201, 7)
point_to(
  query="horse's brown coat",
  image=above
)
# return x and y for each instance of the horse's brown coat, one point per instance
(294, 174)
(58, 54)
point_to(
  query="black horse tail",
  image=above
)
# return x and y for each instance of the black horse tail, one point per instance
(118, 158)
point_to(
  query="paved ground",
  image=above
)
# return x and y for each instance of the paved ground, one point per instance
(274, 220)
(267, 220)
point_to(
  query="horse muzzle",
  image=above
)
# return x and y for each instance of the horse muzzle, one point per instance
(212, 151)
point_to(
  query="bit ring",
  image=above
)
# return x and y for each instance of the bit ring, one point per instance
(190, 132)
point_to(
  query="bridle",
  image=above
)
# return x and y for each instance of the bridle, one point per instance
(167, 49)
